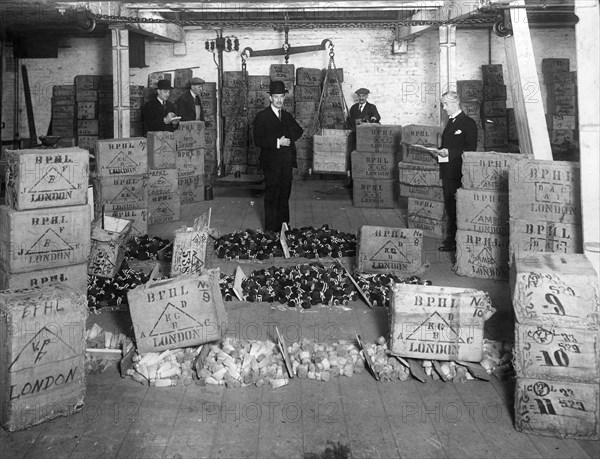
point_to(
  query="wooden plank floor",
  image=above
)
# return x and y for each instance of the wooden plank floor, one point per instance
(357, 415)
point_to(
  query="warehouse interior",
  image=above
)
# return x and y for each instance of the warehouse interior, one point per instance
(389, 404)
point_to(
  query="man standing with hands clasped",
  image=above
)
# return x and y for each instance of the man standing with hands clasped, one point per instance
(459, 135)
(159, 114)
(275, 132)
(189, 105)
(363, 111)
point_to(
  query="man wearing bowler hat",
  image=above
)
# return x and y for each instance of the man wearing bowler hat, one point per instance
(275, 132)
(189, 105)
(159, 114)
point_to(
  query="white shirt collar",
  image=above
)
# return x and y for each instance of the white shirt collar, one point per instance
(454, 115)
(276, 111)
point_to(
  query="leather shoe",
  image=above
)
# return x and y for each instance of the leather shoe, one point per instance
(447, 248)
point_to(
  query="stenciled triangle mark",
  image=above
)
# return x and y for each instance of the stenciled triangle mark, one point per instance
(486, 211)
(485, 258)
(122, 160)
(162, 209)
(155, 332)
(125, 195)
(43, 333)
(492, 178)
(429, 319)
(61, 184)
(390, 245)
(161, 183)
(51, 235)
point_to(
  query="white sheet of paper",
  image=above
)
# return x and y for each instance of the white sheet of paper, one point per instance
(443, 159)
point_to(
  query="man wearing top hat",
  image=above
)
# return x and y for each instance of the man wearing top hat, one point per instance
(275, 132)
(159, 114)
(363, 111)
(189, 105)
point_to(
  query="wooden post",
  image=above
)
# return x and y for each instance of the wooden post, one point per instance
(588, 71)
(525, 87)
(120, 64)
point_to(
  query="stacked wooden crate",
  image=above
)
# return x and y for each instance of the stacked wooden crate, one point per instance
(45, 224)
(470, 94)
(235, 129)
(189, 163)
(136, 102)
(376, 145)
(556, 359)
(332, 112)
(561, 108)
(545, 208)
(258, 100)
(331, 151)
(64, 117)
(420, 182)
(307, 94)
(287, 74)
(208, 96)
(120, 181)
(493, 109)
(482, 219)
(86, 97)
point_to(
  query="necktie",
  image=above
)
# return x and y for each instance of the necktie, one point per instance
(279, 114)
(198, 100)
(361, 107)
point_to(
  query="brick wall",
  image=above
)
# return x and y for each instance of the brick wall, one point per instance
(403, 86)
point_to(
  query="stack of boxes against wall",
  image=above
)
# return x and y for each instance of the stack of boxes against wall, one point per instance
(258, 99)
(561, 108)
(494, 114)
(307, 94)
(470, 94)
(482, 237)
(235, 129)
(64, 116)
(208, 96)
(86, 96)
(374, 169)
(544, 208)
(420, 182)
(556, 359)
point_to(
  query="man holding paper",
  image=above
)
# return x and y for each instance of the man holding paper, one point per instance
(159, 114)
(459, 135)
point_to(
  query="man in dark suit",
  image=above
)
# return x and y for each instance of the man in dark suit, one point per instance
(159, 114)
(459, 135)
(189, 105)
(275, 132)
(363, 111)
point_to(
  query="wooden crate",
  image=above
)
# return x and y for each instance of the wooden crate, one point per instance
(137, 217)
(545, 191)
(469, 90)
(374, 165)
(425, 208)
(557, 408)
(259, 82)
(419, 174)
(378, 138)
(43, 238)
(179, 312)
(161, 150)
(309, 76)
(189, 249)
(439, 323)
(416, 155)
(492, 74)
(481, 255)
(307, 94)
(378, 194)
(488, 170)
(555, 64)
(183, 78)
(331, 151)
(555, 290)
(422, 135)
(493, 108)
(121, 156)
(556, 353)
(86, 95)
(87, 81)
(87, 110)
(430, 227)
(46, 178)
(561, 121)
(87, 127)
(189, 135)
(74, 276)
(528, 236)
(432, 193)
(234, 78)
(191, 188)
(482, 211)
(164, 209)
(63, 90)
(120, 193)
(189, 162)
(109, 235)
(389, 250)
(42, 371)
(282, 72)
(494, 92)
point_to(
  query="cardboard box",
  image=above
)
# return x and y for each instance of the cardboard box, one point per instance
(424, 208)
(378, 138)
(374, 165)
(87, 81)
(282, 72)
(545, 191)
(42, 371)
(557, 408)
(333, 118)
(419, 175)
(561, 121)
(307, 108)
(482, 255)
(258, 99)
(259, 82)
(556, 353)
(161, 150)
(46, 178)
(560, 77)
(309, 76)
(183, 77)
(438, 323)
(494, 92)
(180, 312)
(236, 137)
(109, 235)
(63, 90)
(422, 135)
(469, 90)
(492, 74)
(560, 136)
(74, 276)
(554, 64)
(528, 236)
(495, 138)
(234, 78)
(389, 250)
(87, 127)
(42, 238)
(482, 211)
(555, 289)
(492, 108)
(433, 193)
(307, 93)
(489, 170)
(379, 194)
(115, 157)
(120, 193)
(87, 110)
